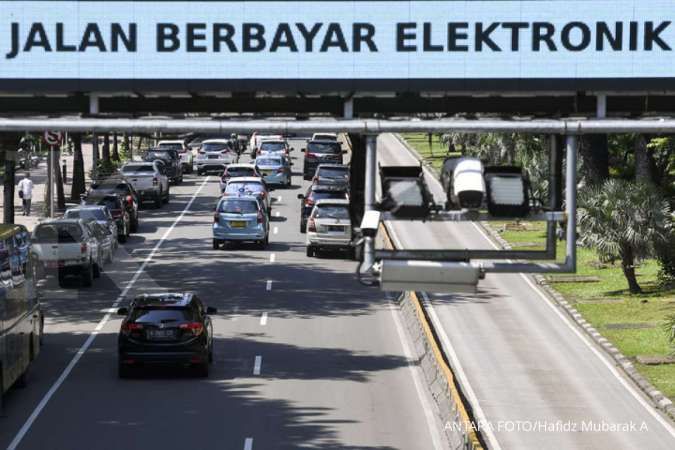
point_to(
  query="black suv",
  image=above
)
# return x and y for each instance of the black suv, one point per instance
(171, 160)
(321, 152)
(318, 192)
(128, 194)
(166, 329)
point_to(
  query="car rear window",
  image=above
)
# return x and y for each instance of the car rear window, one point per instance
(323, 147)
(161, 314)
(143, 168)
(272, 146)
(215, 147)
(236, 206)
(95, 214)
(268, 162)
(177, 147)
(241, 172)
(333, 172)
(234, 188)
(325, 137)
(331, 212)
(321, 195)
(63, 233)
(110, 202)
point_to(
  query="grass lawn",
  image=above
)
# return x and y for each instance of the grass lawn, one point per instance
(633, 323)
(434, 154)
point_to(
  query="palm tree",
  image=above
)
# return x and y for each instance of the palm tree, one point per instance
(624, 221)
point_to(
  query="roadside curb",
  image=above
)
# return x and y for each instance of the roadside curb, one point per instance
(453, 410)
(659, 400)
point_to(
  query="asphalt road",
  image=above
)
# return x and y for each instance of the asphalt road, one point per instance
(535, 381)
(305, 357)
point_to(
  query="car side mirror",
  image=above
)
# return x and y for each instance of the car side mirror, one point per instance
(211, 310)
(301, 197)
(122, 311)
(303, 150)
(344, 152)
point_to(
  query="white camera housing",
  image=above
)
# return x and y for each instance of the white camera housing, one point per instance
(370, 223)
(429, 276)
(468, 185)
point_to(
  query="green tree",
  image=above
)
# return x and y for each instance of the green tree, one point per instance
(624, 221)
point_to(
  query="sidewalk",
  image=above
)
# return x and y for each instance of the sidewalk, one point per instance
(39, 177)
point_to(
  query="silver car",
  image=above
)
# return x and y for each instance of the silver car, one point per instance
(214, 156)
(249, 186)
(100, 214)
(275, 170)
(329, 226)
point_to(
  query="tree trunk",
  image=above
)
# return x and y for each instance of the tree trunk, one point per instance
(105, 152)
(60, 195)
(78, 187)
(115, 152)
(128, 147)
(95, 155)
(8, 145)
(645, 166)
(628, 266)
(594, 153)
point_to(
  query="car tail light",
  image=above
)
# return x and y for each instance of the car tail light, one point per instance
(116, 213)
(263, 194)
(315, 179)
(260, 217)
(280, 170)
(155, 181)
(83, 248)
(311, 225)
(309, 201)
(310, 156)
(131, 327)
(130, 200)
(195, 328)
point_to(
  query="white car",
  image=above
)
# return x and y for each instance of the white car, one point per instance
(253, 186)
(186, 156)
(329, 226)
(256, 140)
(237, 171)
(215, 155)
(273, 147)
(324, 137)
(68, 247)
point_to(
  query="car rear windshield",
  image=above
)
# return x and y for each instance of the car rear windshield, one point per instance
(323, 147)
(215, 147)
(333, 172)
(321, 195)
(234, 188)
(325, 137)
(95, 214)
(63, 233)
(268, 162)
(235, 206)
(110, 202)
(143, 168)
(241, 172)
(272, 146)
(161, 314)
(331, 212)
(177, 147)
(162, 154)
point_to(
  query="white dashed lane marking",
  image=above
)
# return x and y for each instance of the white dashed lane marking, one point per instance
(257, 365)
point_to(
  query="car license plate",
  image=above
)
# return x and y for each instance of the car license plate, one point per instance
(336, 228)
(161, 334)
(52, 264)
(238, 224)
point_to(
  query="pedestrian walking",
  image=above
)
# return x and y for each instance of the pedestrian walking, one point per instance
(26, 193)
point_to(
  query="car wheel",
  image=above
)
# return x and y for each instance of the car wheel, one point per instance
(167, 196)
(109, 257)
(88, 276)
(303, 227)
(216, 244)
(310, 251)
(158, 200)
(134, 225)
(62, 278)
(123, 237)
(203, 370)
(123, 371)
(97, 270)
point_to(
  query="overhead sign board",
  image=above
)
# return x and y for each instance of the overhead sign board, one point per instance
(378, 45)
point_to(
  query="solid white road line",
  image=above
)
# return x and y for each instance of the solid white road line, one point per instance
(275, 230)
(273, 257)
(82, 350)
(248, 443)
(426, 405)
(456, 365)
(257, 364)
(263, 319)
(269, 285)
